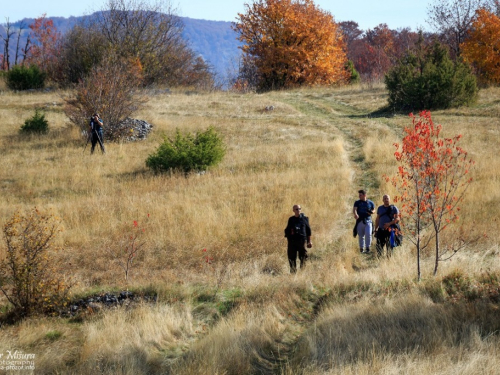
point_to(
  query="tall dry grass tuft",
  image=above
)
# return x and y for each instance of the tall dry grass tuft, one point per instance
(347, 335)
(55, 343)
(135, 341)
(241, 344)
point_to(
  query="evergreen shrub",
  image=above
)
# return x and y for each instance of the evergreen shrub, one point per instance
(36, 124)
(188, 152)
(429, 79)
(21, 77)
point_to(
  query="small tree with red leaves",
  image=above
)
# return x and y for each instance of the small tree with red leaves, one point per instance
(45, 48)
(126, 251)
(432, 177)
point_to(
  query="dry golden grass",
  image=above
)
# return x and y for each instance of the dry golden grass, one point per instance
(368, 332)
(242, 312)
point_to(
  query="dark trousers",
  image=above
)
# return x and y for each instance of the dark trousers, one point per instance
(97, 138)
(384, 240)
(294, 247)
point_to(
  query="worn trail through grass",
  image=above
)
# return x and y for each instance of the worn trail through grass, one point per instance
(331, 116)
(353, 124)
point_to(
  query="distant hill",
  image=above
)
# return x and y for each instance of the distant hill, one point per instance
(215, 41)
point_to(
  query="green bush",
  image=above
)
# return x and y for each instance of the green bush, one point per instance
(21, 77)
(188, 152)
(429, 79)
(36, 124)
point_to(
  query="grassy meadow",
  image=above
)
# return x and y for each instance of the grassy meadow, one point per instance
(214, 252)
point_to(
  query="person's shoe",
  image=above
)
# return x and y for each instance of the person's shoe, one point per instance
(366, 251)
(361, 251)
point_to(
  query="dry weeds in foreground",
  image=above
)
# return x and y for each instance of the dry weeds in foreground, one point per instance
(242, 312)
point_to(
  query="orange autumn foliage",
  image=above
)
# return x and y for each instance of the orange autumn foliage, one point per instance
(291, 43)
(482, 47)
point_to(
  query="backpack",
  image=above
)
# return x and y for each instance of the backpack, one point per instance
(396, 238)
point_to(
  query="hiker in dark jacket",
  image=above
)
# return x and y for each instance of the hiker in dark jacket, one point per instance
(387, 218)
(362, 211)
(298, 234)
(95, 132)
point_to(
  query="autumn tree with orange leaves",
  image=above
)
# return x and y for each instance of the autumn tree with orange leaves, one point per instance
(482, 47)
(433, 175)
(291, 43)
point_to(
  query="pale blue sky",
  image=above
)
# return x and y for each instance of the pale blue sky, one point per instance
(368, 13)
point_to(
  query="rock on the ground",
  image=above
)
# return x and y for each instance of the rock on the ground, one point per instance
(138, 129)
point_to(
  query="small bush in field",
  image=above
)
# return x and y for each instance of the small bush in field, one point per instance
(188, 152)
(30, 277)
(36, 124)
(21, 77)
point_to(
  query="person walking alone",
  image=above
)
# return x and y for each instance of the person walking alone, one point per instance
(96, 133)
(298, 234)
(362, 211)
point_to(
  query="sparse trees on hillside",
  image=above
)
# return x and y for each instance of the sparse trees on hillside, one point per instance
(44, 51)
(405, 41)
(381, 42)
(148, 31)
(22, 27)
(351, 32)
(493, 6)
(82, 49)
(453, 19)
(131, 29)
(5, 63)
(291, 43)
(482, 47)
(375, 51)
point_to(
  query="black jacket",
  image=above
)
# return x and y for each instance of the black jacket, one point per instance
(298, 228)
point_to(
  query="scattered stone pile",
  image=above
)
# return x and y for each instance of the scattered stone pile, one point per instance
(98, 302)
(138, 129)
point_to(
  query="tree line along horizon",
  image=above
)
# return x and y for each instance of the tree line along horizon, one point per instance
(285, 44)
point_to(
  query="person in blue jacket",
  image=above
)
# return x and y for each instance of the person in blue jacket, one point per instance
(362, 211)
